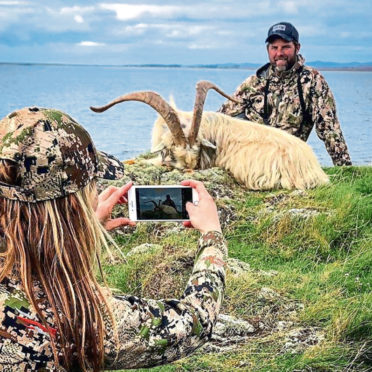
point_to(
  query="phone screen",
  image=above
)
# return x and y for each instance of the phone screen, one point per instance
(163, 203)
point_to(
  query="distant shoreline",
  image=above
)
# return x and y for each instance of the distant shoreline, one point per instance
(325, 66)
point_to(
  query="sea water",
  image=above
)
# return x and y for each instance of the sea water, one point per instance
(125, 130)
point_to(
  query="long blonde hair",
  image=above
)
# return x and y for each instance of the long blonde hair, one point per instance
(57, 243)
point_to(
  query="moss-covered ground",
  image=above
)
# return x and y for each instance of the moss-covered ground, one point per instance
(312, 249)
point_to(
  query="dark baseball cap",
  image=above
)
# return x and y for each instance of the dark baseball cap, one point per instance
(284, 30)
(53, 154)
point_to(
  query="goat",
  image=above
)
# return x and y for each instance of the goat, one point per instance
(258, 156)
(163, 208)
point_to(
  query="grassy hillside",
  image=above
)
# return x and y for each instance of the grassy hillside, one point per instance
(305, 287)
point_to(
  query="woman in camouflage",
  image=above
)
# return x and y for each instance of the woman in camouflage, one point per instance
(54, 316)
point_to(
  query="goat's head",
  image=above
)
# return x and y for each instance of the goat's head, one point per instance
(188, 156)
(179, 147)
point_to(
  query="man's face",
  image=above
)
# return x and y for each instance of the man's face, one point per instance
(282, 53)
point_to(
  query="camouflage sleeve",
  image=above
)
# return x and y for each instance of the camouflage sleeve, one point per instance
(153, 332)
(242, 94)
(24, 340)
(326, 122)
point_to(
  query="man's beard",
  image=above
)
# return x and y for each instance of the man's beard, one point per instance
(287, 66)
(281, 68)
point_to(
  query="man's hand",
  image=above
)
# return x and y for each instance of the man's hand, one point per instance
(107, 199)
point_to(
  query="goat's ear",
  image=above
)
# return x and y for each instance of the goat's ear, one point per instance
(206, 143)
(158, 147)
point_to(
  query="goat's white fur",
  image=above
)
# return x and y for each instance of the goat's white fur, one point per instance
(258, 156)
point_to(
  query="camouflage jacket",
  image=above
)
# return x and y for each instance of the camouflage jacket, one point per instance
(283, 107)
(150, 332)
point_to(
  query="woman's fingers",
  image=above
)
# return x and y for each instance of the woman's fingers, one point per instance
(198, 186)
(106, 193)
(122, 200)
(108, 199)
(118, 195)
(187, 224)
(117, 222)
(203, 216)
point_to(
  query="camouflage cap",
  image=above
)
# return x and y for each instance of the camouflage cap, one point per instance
(53, 154)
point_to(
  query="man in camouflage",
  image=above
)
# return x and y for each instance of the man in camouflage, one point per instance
(288, 95)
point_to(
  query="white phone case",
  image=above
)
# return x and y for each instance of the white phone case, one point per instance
(132, 202)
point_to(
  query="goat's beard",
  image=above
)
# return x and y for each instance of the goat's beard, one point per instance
(207, 157)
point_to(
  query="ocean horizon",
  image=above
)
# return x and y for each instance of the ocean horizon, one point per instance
(321, 65)
(125, 130)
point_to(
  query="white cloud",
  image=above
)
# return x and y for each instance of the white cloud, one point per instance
(203, 45)
(345, 34)
(224, 32)
(60, 20)
(125, 12)
(289, 6)
(198, 29)
(312, 30)
(77, 9)
(201, 11)
(13, 15)
(137, 29)
(11, 3)
(175, 30)
(90, 44)
(147, 30)
(78, 18)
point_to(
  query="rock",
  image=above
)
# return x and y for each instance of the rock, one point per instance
(283, 325)
(238, 267)
(302, 212)
(272, 200)
(143, 249)
(229, 326)
(230, 332)
(294, 213)
(272, 308)
(296, 193)
(300, 339)
(227, 214)
(269, 273)
(123, 230)
(268, 294)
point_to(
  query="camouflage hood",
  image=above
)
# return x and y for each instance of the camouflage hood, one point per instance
(53, 155)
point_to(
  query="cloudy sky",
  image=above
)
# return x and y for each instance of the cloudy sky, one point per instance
(180, 32)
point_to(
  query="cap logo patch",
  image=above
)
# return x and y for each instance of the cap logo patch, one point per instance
(279, 28)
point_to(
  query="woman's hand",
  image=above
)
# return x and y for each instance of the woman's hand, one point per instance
(204, 216)
(107, 199)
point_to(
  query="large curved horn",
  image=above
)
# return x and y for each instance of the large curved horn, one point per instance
(157, 103)
(202, 88)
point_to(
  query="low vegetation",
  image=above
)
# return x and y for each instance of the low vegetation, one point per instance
(300, 271)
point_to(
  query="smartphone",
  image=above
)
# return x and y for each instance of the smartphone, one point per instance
(160, 203)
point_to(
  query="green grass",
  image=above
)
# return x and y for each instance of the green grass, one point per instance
(322, 262)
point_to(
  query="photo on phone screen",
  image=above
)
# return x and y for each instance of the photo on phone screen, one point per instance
(162, 203)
